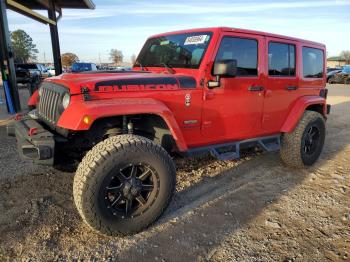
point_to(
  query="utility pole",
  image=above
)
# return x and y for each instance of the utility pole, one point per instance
(55, 39)
(7, 65)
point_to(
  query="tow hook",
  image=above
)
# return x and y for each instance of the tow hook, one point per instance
(32, 131)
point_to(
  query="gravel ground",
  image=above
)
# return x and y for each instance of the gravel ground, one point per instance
(253, 209)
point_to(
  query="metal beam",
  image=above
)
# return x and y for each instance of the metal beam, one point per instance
(54, 39)
(13, 5)
(7, 64)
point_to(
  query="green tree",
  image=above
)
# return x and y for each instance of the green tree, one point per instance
(116, 56)
(345, 55)
(23, 47)
(68, 59)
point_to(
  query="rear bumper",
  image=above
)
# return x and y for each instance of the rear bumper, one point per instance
(39, 146)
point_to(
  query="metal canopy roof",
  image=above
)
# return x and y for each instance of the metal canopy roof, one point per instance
(27, 7)
(43, 4)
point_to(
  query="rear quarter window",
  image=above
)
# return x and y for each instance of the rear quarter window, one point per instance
(313, 60)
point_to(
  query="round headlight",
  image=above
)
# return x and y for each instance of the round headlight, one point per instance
(40, 91)
(66, 100)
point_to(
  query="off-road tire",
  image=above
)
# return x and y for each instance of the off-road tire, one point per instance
(292, 144)
(108, 156)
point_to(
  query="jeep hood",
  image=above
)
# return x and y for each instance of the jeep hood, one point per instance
(122, 81)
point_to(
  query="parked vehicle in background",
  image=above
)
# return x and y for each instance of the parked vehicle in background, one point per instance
(330, 75)
(51, 70)
(342, 77)
(331, 69)
(31, 74)
(123, 68)
(191, 92)
(83, 67)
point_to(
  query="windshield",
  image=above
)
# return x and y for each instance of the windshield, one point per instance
(182, 50)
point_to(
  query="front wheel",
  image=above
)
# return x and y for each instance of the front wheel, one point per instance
(303, 146)
(124, 184)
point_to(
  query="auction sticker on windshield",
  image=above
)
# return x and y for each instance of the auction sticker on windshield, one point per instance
(195, 40)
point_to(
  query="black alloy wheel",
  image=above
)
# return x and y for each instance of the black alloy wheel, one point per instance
(311, 140)
(131, 190)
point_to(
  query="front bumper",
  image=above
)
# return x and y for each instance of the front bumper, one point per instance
(34, 142)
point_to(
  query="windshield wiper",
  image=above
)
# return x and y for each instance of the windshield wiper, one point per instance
(168, 67)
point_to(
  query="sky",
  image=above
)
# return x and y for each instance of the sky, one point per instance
(125, 25)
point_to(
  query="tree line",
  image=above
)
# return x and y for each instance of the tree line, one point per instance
(24, 51)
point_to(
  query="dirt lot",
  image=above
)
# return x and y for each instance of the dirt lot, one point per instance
(253, 209)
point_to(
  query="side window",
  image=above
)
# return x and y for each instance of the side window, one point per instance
(281, 59)
(313, 60)
(245, 51)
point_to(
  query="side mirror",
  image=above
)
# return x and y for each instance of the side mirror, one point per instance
(223, 68)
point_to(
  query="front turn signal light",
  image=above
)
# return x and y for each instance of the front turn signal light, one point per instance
(87, 119)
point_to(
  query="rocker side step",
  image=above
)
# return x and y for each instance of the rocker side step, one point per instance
(230, 151)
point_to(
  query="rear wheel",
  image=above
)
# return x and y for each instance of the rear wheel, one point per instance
(303, 146)
(124, 184)
(347, 81)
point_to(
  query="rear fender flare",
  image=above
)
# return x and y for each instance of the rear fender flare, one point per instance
(298, 110)
(72, 117)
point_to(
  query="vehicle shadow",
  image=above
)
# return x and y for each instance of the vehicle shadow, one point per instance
(38, 213)
(203, 215)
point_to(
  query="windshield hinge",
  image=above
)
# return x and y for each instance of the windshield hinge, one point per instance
(85, 91)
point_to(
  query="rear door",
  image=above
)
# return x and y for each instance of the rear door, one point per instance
(233, 111)
(282, 85)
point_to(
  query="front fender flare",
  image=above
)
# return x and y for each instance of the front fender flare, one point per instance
(72, 117)
(298, 110)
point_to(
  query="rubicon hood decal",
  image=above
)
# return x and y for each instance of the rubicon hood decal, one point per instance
(146, 83)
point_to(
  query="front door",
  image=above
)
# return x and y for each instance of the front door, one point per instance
(233, 111)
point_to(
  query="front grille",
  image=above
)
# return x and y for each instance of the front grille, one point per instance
(50, 103)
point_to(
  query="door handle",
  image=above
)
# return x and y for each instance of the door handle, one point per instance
(291, 88)
(255, 88)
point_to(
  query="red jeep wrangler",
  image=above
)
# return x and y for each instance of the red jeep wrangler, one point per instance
(196, 91)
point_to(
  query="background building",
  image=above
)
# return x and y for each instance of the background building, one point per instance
(335, 61)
